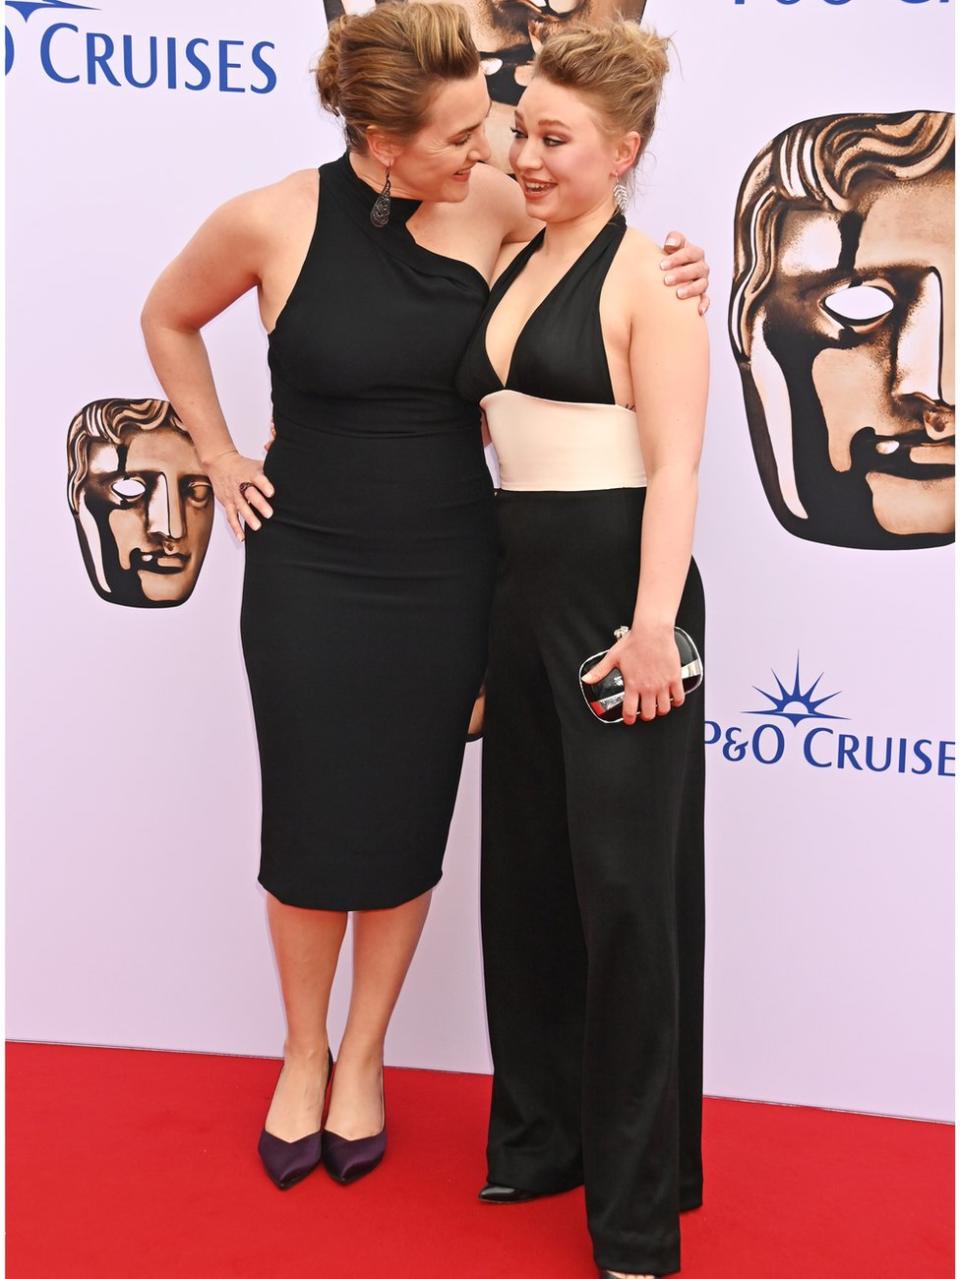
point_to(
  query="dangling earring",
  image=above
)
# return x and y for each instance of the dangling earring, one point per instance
(621, 197)
(380, 213)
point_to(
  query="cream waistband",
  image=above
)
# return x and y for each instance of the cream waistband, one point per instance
(554, 445)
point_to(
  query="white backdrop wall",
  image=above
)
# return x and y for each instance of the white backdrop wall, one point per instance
(134, 915)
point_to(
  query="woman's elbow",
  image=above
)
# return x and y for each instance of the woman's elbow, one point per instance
(150, 314)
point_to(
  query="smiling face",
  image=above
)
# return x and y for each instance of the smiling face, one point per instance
(508, 34)
(144, 515)
(852, 358)
(564, 161)
(436, 163)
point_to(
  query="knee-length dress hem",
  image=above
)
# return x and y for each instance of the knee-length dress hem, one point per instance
(290, 896)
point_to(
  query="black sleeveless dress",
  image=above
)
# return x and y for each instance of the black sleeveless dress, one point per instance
(592, 873)
(366, 596)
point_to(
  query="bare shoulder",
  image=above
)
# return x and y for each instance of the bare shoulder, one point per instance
(495, 195)
(639, 260)
(269, 206)
(638, 264)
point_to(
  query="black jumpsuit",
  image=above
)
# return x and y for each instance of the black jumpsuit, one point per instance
(366, 597)
(592, 871)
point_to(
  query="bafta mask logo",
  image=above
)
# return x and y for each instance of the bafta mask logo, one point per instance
(508, 34)
(842, 322)
(142, 506)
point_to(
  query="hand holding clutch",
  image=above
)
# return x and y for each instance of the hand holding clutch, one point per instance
(605, 695)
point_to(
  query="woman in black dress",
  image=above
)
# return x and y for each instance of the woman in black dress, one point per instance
(593, 382)
(370, 564)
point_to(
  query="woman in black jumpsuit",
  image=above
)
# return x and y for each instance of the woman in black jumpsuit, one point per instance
(592, 873)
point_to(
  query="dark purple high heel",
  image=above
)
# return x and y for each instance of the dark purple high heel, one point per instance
(348, 1160)
(287, 1162)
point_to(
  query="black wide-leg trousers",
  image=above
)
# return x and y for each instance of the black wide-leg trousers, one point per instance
(591, 889)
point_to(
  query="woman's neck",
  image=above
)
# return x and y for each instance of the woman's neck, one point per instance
(567, 239)
(374, 175)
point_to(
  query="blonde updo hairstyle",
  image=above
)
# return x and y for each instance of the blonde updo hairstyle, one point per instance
(381, 69)
(618, 66)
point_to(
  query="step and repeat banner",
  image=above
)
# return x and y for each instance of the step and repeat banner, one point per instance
(809, 145)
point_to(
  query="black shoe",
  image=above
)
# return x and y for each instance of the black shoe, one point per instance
(492, 1194)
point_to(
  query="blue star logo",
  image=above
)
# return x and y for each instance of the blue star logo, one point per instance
(795, 704)
(26, 8)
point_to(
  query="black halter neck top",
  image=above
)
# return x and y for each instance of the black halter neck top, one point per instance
(559, 353)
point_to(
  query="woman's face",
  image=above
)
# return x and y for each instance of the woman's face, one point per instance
(565, 163)
(437, 162)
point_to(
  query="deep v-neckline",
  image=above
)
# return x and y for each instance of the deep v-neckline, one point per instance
(512, 273)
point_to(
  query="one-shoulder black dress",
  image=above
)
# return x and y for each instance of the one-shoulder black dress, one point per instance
(366, 596)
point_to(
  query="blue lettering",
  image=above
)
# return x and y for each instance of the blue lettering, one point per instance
(922, 756)
(101, 60)
(711, 726)
(847, 745)
(128, 63)
(944, 757)
(871, 764)
(226, 66)
(270, 76)
(732, 749)
(779, 743)
(171, 62)
(45, 43)
(808, 747)
(119, 60)
(11, 52)
(198, 65)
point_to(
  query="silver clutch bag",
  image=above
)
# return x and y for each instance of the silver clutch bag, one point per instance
(605, 699)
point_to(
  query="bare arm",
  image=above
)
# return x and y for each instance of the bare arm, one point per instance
(669, 362)
(221, 263)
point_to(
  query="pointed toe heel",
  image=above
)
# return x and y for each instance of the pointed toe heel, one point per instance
(347, 1161)
(287, 1162)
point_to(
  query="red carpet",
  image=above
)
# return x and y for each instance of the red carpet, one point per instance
(142, 1165)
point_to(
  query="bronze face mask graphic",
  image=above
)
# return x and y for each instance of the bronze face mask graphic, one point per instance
(842, 321)
(142, 507)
